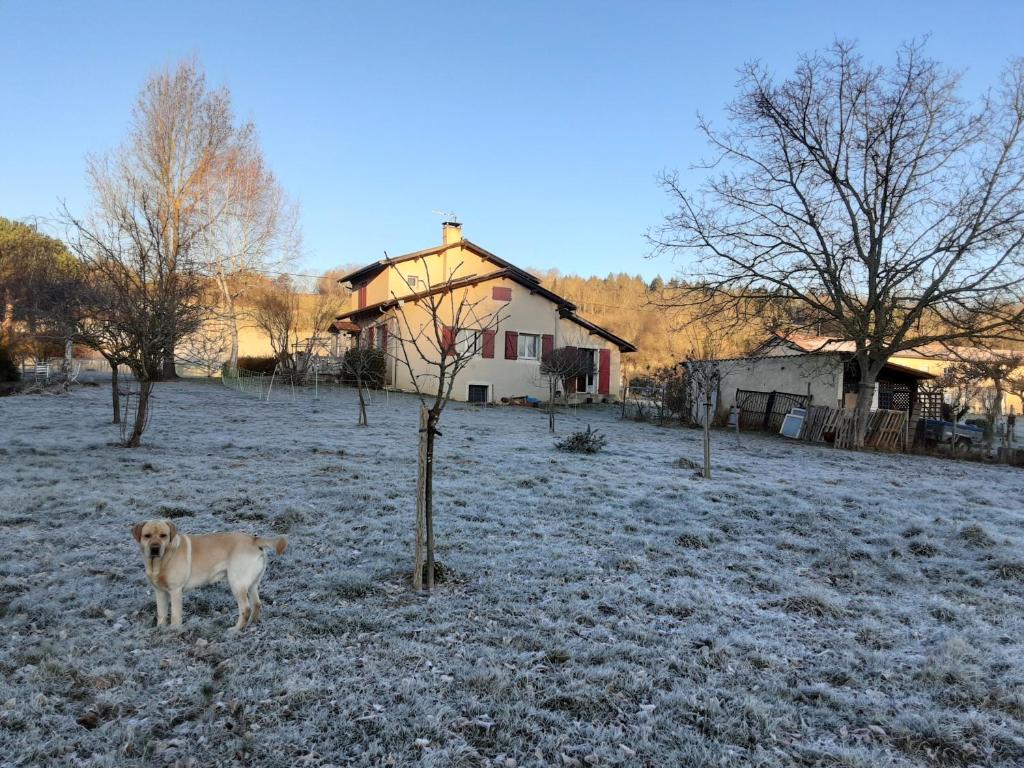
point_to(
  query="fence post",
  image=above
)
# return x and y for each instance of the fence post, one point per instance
(769, 406)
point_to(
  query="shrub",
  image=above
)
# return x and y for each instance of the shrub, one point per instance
(589, 441)
(8, 368)
(258, 364)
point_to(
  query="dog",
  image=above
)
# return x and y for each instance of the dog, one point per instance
(176, 562)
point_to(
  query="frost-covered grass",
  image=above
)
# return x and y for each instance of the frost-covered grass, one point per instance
(804, 607)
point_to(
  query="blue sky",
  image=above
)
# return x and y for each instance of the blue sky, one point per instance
(543, 125)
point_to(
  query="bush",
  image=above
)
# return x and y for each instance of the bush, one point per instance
(590, 441)
(8, 368)
(370, 362)
(258, 364)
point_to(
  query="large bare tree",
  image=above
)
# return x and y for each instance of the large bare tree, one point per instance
(870, 201)
(191, 162)
(436, 333)
(143, 296)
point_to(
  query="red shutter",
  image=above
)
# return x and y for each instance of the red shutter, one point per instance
(369, 337)
(501, 294)
(511, 345)
(488, 343)
(384, 338)
(604, 371)
(547, 345)
(362, 296)
(448, 340)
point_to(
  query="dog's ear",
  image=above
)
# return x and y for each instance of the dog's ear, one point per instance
(137, 531)
(172, 532)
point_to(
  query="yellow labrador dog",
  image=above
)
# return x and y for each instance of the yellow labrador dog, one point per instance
(176, 562)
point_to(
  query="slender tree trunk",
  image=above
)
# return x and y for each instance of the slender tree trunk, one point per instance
(428, 498)
(141, 414)
(65, 364)
(115, 395)
(994, 413)
(232, 314)
(551, 405)
(421, 498)
(707, 435)
(362, 404)
(7, 329)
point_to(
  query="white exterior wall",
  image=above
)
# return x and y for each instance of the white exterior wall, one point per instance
(821, 376)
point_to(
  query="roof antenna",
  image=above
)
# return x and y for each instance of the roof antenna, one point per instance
(450, 217)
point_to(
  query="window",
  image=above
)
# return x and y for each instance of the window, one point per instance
(468, 343)
(587, 381)
(412, 280)
(499, 293)
(529, 346)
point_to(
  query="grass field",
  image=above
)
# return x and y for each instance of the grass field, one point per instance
(805, 607)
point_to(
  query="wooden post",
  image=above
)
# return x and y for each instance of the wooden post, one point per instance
(707, 435)
(421, 501)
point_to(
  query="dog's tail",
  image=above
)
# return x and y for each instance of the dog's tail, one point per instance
(280, 544)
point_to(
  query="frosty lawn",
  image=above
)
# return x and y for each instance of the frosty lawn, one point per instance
(805, 607)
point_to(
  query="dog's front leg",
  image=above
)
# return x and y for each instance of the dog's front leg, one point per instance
(175, 607)
(161, 607)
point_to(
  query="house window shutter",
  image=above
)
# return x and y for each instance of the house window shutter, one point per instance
(488, 344)
(362, 296)
(384, 338)
(604, 371)
(511, 345)
(547, 345)
(369, 337)
(499, 293)
(448, 340)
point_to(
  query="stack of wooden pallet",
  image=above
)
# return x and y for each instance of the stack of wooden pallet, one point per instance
(819, 420)
(886, 429)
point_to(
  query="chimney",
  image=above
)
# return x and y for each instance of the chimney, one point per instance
(451, 232)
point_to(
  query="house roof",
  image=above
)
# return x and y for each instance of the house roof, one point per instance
(370, 271)
(934, 351)
(343, 326)
(566, 309)
(841, 354)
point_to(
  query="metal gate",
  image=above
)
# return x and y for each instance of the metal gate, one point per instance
(766, 410)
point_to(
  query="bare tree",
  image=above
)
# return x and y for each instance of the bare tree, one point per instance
(437, 333)
(283, 314)
(704, 376)
(254, 229)
(364, 367)
(207, 347)
(987, 374)
(145, 296)
(275, 311)
(559, 368)
(182, 155)
(870, 201)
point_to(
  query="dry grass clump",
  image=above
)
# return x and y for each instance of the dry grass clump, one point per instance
(809, 604)
(976, 536)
